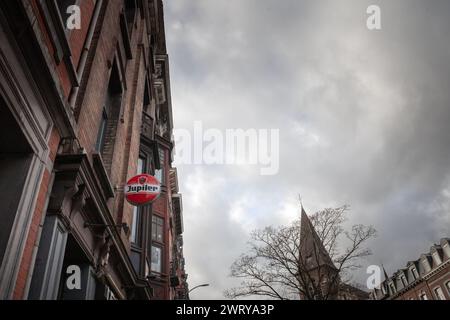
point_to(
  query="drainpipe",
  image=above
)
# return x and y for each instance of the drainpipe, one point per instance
(84, 55)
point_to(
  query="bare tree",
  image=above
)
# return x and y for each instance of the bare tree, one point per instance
(306, 260)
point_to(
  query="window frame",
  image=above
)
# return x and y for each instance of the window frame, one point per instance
(99, 145)
(155, 219)
(439, 295)
(404, 281)
(415, 273)
(160, 173)
(447, 285)
(161, 257)
(436, 258)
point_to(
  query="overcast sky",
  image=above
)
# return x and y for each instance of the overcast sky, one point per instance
(364, 119)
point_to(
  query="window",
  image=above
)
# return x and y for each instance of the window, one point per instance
(109, 294)
(437, 258)
(110, 116)
(383, 289)
(158, 229)
(439, 294)
(423, 296)
(426, 265)
(102, 131)
(391, 285)
(15, 162)
(135, 232)
(414, 273)
(404, 282)
(156, 259)
(160, 173)
(447, 285)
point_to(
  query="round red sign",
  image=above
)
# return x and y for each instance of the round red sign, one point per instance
(142, 189)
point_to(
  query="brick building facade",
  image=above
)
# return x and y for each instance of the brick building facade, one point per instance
(427, 278)
(81, 111)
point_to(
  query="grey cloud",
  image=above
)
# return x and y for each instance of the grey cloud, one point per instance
(363, 116)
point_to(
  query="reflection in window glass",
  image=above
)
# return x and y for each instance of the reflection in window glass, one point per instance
(157, 229)
(156, 259)
(160, 174)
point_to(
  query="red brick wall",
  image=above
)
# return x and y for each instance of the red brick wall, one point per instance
(78, 37)
(39, 211)
(61, 69)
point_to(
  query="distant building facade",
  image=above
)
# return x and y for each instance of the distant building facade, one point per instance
(81, 111)
(427, 278)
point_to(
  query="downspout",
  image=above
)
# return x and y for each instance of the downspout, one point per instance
(84, 55)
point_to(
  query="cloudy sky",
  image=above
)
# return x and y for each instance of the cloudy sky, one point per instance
(364, 119)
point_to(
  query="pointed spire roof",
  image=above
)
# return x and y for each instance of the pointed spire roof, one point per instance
(312, 249)
(386, 277)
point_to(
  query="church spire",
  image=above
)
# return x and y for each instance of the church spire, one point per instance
(386, 277)
(312, 249)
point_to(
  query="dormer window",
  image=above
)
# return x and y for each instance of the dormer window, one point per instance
(446, 249)
(437, 258)
(426, 264)
(391, 285)
(404, 282)
(414, 273)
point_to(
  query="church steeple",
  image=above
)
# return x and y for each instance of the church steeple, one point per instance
(312, 250)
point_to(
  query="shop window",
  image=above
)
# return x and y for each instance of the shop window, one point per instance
(15, 161)
(75, 256)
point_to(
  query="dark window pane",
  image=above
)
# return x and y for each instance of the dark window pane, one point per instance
(102, 132)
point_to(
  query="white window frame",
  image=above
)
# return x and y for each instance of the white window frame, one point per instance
(423, 296)
(438, 293)
(437, 258)
(415, 273)
(404, 281)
